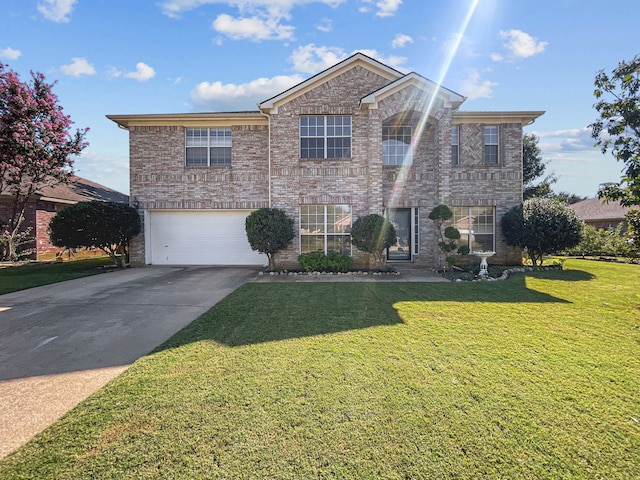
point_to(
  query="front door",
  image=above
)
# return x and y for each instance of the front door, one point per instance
(401, 220)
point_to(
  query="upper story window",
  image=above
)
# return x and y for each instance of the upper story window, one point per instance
(325, 137)
(208, 147)
(396, 145)
(455, 145)
(491, 145)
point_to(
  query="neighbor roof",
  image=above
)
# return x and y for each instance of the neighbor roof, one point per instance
(594, 209)
(80, 190)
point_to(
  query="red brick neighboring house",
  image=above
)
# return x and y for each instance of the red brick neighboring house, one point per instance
(46, 202)
(600, 215)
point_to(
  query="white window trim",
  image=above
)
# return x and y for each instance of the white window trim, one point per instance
(456, 145)
(407, 159)
(325, 137)
(484, 144)
(326, 233)
(208, 147)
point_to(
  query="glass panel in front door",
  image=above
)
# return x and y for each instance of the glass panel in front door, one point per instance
(401, 220)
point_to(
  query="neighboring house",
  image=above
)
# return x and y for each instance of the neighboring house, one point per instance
(44, 204)
(601, 215)
(357, 138)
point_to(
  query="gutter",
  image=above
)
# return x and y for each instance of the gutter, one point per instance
(269, 150)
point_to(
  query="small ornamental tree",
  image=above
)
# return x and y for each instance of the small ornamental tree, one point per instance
(449, 236)
(108, 226)
(373, 234)
(542, 226)
(269, 230)
(36, 146)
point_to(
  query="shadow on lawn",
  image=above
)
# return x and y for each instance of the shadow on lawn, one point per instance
(263, 312)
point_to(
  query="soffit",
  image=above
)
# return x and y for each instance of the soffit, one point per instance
(522, 117)
(190, 119)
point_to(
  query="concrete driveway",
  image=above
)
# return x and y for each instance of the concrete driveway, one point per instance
(60, 343)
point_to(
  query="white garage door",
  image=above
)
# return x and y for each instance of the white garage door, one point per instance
(199, 238)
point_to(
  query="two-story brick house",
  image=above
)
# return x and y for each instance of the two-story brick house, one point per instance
(357, 138)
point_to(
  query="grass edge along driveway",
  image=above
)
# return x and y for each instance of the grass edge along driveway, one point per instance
(533, 377)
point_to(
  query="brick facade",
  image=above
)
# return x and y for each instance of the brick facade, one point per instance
(267, 168)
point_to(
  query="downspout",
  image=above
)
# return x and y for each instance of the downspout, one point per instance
(269, 150)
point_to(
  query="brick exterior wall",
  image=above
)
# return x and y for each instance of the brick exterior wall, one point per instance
(160, 179)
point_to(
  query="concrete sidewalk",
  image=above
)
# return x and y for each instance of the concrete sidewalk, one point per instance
(60, 343)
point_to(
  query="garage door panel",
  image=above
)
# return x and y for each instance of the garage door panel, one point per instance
(200, 238)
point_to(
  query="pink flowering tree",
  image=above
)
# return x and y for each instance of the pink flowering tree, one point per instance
(36, 148)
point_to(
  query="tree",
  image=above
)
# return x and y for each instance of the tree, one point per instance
(448, 235)
(36, 145)
(533, 167)
(633, 233)
(109, 226)
(373, 234)
(569, 198)
(269, 230)
(542, 226)
(618, 127)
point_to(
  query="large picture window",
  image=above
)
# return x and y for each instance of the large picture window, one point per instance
(396, 145)
(476, 226)
(325, 137)
(208, 147)
(325, 228)
(491, 145)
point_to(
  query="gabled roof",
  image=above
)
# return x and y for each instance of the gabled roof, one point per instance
(79, 190)
(356, 59)
(594, 209)
(418, 81)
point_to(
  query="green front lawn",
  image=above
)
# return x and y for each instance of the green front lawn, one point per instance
(35, 274)
(537, 376)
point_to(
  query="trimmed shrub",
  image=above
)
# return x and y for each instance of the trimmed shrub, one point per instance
(269, 230)
(319, 262)
(373, 234)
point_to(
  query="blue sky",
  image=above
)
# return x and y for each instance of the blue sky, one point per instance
(169, 56)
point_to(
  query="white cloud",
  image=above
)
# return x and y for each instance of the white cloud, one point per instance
(252, 28)
(325, 25)
(78, 66)
(56, 10)
(401, 40)
(387, 8)
(175, 8)
(474, 87)
(521, 44)
(142, 73)
(394, 61)
(312, 59)
(10, 53)
(567, 141)
(245, 96)
(496, 57)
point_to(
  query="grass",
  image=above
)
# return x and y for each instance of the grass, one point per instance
(29, 275)
(532, 377)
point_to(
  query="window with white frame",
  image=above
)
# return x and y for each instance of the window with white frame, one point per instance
(208, 147)
(325, 228)
(396, 145)
(455, 145)
(491, 145)
(477, 227)
(325, 136)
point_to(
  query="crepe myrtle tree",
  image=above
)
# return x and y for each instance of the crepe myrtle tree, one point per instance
(109, 226)
(36, 146)
(373, 234)
(269, 230)
(542, 226)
